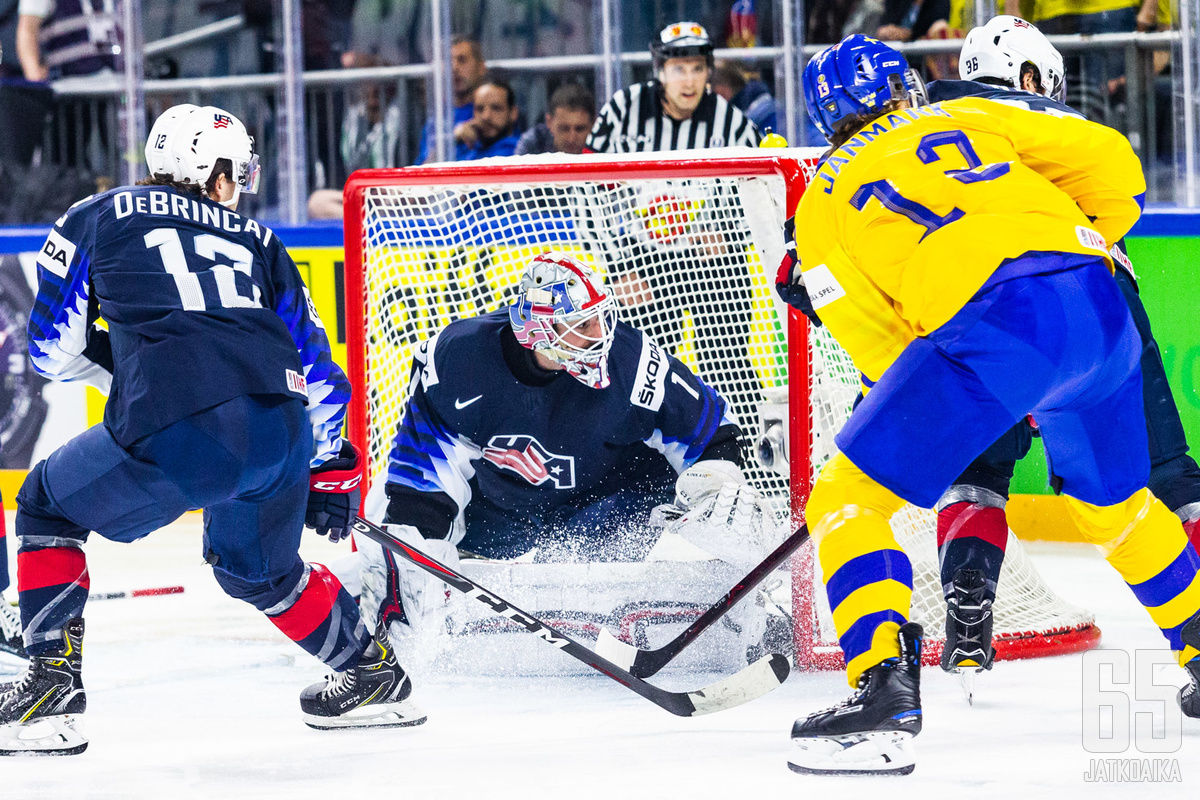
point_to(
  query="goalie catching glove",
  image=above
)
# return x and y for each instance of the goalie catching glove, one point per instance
(719, 512)
(334, 493)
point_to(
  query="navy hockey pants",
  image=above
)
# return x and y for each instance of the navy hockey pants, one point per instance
(1065, 322)
(1174, 476)
(245, 462)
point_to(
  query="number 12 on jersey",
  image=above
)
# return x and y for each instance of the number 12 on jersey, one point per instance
(207, 246)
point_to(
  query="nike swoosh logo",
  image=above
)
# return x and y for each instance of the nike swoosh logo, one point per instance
(460, 405)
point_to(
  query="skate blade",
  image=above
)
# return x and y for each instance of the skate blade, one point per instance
(47, 736)
(390, 715)
(867, 753)
(966, 678)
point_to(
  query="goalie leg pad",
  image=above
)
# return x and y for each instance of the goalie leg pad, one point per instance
(407, 599)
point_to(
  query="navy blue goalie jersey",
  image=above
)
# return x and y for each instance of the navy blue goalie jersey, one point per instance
(202, 305)
(480, 418)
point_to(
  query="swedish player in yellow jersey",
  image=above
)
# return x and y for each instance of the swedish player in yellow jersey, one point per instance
(959, 252)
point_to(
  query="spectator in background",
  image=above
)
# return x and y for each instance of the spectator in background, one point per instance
(489, 132)
(467, 69)
(370, 135)
(909, 20)
(69, 38)
(24, 106)
(568, 122)
(1092, 78)
(746, 93)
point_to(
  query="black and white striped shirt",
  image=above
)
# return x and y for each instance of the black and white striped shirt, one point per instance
(633, 121)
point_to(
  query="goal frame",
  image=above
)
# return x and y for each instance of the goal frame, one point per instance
(795, 168)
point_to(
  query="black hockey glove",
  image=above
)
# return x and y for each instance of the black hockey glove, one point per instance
(789, 281)
(334, 495)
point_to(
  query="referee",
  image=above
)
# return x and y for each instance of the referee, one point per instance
(677, 111)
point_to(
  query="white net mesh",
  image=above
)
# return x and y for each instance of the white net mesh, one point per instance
(691, 258)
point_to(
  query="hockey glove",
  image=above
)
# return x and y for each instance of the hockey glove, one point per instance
(719, 512)
(334, 493)
(789, 281)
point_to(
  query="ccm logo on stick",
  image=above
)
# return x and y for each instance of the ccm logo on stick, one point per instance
(528, 623)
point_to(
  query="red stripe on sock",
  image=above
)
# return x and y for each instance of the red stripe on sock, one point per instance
(53, 566)
(312, 607)
(1192, 529)
(961, 520)
(3, 524)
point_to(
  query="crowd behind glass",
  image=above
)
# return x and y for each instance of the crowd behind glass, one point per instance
(55, 145)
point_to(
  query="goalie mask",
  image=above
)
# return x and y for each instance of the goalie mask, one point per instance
(206, 134)
(999, 50)
(565, 312)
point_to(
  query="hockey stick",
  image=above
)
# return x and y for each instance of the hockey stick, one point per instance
(644, 663)
(155, 592)
(750, 683)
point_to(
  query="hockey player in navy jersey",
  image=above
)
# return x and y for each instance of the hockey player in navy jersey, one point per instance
(211, 354)
(1008, 60)
(550, 424)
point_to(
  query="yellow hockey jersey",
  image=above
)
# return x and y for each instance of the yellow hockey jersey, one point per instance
(908, 219)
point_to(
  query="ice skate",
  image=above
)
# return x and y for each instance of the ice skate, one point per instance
(10, 630)
(968, 650)
(39, 711)
(869, 733)
(1189, 696)
(372, 694)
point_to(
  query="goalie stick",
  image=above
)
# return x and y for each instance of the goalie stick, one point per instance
(750, 683)
(644, 663)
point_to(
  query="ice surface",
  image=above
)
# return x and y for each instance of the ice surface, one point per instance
(195, 696)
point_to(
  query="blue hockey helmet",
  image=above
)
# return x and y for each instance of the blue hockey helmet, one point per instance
(856, 77)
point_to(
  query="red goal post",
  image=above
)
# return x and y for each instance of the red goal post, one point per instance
(691, 243)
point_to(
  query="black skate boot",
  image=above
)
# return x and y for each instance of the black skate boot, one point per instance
(39, 711)
(1189, 696)
(869, 733)
(968, 650)
(372, 694)
(10, 630)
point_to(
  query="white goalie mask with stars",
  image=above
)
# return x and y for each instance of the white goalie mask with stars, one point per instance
(565, 312)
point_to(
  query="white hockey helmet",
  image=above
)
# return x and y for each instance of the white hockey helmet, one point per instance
(565, 312)
(206, 134)
(1001, 47)
(159, 156)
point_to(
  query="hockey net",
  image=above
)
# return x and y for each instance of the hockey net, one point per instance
(690, 245)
